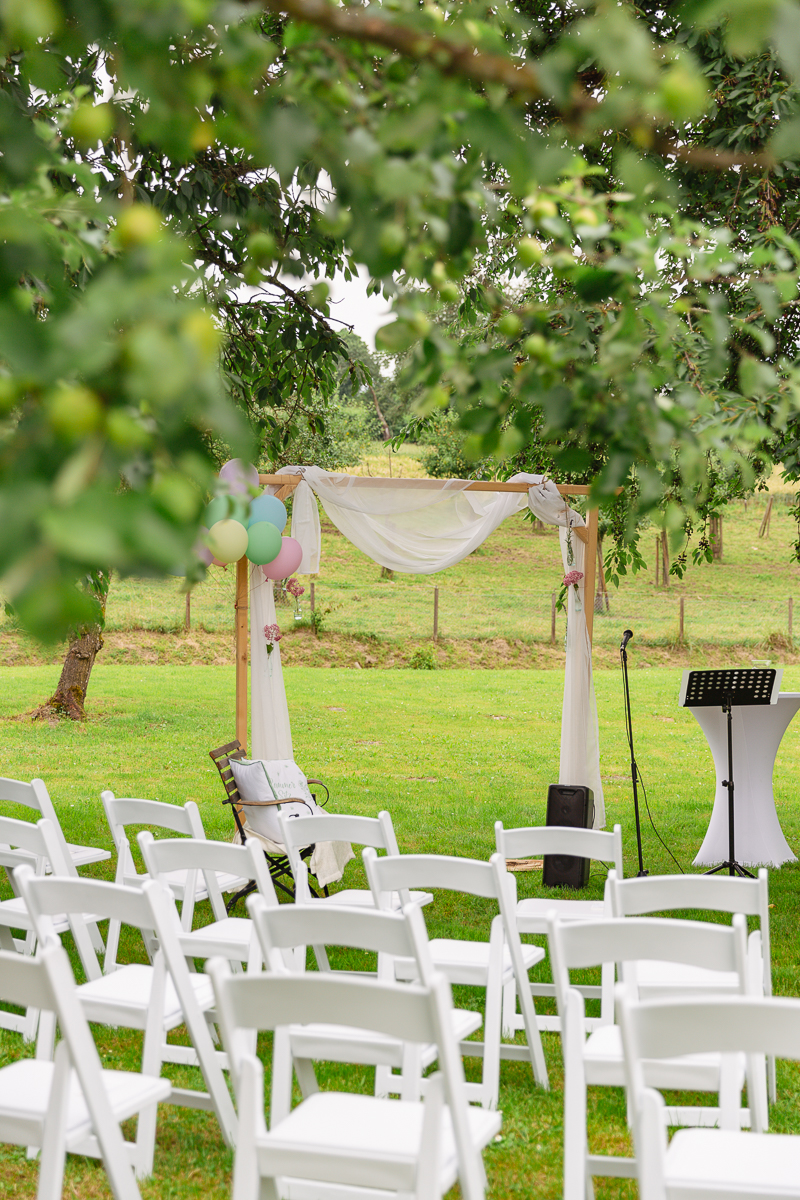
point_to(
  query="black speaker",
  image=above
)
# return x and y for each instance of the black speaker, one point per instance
(573, 806)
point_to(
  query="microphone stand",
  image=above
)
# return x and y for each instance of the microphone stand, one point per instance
(634, 769)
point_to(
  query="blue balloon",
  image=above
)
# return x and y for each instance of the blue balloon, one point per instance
(268, 508)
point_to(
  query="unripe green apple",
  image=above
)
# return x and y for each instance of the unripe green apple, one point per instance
(74, 411)
(530, 251)
(91, 123)
(509, 325)
(392, 238)
(139, 225)
(535, 346)
(261, 247)
(684, 93)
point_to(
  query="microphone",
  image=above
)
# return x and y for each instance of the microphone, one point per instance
(626, 637)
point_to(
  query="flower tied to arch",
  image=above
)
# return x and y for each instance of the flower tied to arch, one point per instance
(272, 635)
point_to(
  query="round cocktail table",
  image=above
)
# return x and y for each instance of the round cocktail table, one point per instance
(757, 733)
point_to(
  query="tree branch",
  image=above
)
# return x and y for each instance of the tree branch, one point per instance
(466, 60)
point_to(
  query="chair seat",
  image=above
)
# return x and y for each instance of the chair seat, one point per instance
(532, 913)
(468, 962)
(362, 898)
(661, 978)
(176, 880)
(328, 1125)
(14, 914)
(82, 856)
(717, 1162)
(231, 938)
(368, 1047)
(123, 997)
(603, 1058)
(25, 1094)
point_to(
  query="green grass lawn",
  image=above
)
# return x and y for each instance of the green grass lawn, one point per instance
(447, 753)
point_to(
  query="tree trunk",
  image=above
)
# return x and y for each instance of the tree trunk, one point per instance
(387, 433)
(69, 698)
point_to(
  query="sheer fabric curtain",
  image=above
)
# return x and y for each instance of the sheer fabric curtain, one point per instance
(421, 527)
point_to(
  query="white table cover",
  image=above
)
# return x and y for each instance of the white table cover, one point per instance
(757, 733)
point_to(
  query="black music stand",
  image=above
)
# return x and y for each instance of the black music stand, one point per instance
(728, 689)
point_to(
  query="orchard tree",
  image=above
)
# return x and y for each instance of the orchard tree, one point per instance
(260, 148)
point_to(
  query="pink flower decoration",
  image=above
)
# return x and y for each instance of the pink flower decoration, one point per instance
(573, 578)
(273, 635)
(295, 588)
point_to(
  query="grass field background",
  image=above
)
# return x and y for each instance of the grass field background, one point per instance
(447, 753)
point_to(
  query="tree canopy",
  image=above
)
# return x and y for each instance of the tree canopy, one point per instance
(606, 192)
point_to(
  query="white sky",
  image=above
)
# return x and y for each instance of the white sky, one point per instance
(351, 304)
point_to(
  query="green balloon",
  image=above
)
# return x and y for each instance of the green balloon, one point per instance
(224, 508)
(263, 542)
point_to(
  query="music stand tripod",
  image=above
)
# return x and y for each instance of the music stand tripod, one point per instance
(730, 689)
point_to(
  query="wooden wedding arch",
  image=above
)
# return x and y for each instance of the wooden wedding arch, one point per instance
(286, 484)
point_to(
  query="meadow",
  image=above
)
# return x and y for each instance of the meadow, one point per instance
(447, 753)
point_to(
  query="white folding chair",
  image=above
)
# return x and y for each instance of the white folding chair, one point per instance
(488, 965)
(70, 1104)
(704, 893)
(37, 846)
(377, 832)
(35, 796)
(155, 814)
(339, 1143)
(716, 1164)
(154, 999)
(231, 937)
(535, 841)
(597, 1060)
(285, 931)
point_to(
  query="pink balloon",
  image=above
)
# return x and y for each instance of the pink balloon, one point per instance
(239, 476)
(289, 558)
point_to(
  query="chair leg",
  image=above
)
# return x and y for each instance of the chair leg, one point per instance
(577, 1181)
(54, 1148)
(246, 1181)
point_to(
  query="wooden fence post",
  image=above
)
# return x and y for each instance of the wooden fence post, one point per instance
(658, 555)
(311, 597)
(435, 613)
(187, 623)
(553, 619)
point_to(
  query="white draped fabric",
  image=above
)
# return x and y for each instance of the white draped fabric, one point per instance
(420, 527)
(270, 731)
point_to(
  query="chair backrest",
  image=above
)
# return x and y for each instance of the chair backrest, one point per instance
(398, 873)
(122, 812)
(207, 857)
(535, 840)
(392, 934)
(36, 844)
(221, 758)
(47, 983)
(710, 893)
(576, 945)
(49, 896)
(377, 832)
(34, 795)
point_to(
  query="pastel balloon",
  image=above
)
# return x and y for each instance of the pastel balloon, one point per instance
(201, 549)
(239, 476)
(263, 542)
(289, 559)
(222, 507)
(227, 540)
(268, 508)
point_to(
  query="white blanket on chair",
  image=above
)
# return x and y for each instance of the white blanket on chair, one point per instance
(328, 859)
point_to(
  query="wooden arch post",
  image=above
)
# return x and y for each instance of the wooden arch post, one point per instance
(286, 484)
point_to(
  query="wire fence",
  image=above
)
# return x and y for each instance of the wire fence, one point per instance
(398, 611)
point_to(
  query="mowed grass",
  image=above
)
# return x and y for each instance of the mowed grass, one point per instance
(448, 754)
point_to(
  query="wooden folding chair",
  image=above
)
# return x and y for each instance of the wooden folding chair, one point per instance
(279, 866)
